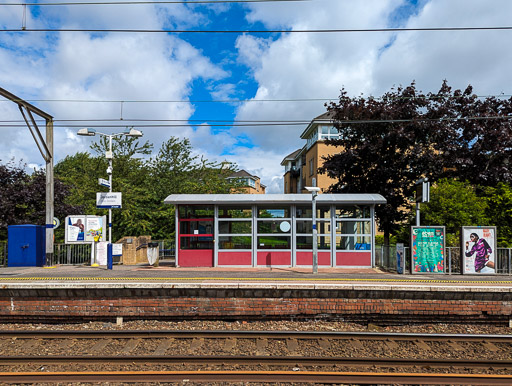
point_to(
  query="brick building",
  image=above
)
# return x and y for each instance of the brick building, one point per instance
(301, 166)
(250, 184)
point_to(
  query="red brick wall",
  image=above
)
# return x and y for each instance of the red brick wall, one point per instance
(224, 303)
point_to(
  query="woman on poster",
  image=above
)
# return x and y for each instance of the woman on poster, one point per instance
(483, 252)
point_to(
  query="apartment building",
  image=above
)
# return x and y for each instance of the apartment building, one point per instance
(301, 166)
(250, 184)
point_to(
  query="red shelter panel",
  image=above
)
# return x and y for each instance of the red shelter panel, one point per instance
(306, 258)
(196, 258)
(235, 258)
(354, 259)
(275, 258)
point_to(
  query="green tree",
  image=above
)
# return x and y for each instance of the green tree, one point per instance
(175, 170)
(23, 198)
(454, 204)
(144, 183)
(499, 212)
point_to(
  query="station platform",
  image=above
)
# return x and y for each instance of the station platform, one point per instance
(168, 274)
(84, 293)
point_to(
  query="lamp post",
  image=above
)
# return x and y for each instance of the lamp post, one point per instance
(314, 192)
(108, 155)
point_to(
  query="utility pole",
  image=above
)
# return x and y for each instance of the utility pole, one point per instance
(45, 146)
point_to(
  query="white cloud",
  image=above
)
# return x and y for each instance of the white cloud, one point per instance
(131, 67)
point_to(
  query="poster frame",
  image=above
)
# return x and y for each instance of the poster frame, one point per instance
(84, 218)
(413, 254)
(463, 248)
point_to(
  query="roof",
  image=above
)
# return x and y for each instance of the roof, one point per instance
(242, 173)
(326, 117)
(360, 199)
(291, 157)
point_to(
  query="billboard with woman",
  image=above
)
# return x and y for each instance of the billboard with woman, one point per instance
(478, 250)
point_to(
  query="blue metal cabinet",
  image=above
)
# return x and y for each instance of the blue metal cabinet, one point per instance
(26, 246)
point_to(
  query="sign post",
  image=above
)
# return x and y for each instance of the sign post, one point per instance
(422, 195)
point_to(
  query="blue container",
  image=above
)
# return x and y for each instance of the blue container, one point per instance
(26, 246)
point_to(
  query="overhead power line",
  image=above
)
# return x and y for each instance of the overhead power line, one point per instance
(344, 30)
(502, 95)
(140, 123)
(152, 2)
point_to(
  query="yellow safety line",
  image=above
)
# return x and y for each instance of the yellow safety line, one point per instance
(249, 279)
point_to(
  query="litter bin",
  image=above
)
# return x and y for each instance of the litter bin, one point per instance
(26, 245)
(153, 254)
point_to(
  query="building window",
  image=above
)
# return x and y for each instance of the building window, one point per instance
(311, 167)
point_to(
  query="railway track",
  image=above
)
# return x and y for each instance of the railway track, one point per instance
(335, 357)
(285, 377)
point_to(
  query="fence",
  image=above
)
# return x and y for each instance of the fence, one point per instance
(385, 258)
(80, 254)
(3, 253)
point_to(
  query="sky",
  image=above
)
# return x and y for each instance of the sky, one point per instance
(222, 90)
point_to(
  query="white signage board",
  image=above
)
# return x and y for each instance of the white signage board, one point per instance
(117, 249)
(101, 253)
(108, 200)
(103, 182)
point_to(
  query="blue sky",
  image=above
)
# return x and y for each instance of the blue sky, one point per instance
(184, 76)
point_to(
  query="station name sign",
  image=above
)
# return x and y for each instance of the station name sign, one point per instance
(108, 200)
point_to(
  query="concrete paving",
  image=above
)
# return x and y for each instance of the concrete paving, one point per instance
(166, 273)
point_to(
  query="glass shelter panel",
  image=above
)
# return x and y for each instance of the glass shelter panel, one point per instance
(196, 211)
(306, 242)
(352, 211)
(274, 242)
(235, 242)
(306, 227)
(274, 226)
(353, 243)
(353, 227)
(273, 212)
(305, 211)
(235, 227)
(196, 227)
(235, 212)
(205, 242)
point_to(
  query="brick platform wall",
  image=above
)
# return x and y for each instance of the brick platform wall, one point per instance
(50, 305)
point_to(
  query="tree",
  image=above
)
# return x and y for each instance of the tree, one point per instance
(499, 212)
(175, 170)
(23, 198)
(387, 144)
(144, 183)
(454, 204)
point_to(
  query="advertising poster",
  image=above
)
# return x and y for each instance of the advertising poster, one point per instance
(94, 226)
(75, 229)
(427, 249)
(478, 250)
(101, 253)
(400, 258)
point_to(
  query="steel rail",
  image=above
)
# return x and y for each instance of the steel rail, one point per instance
(254, 360)
(232, 334)
(256, 376)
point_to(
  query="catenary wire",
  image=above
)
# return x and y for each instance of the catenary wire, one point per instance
(501, 95)
(275, 123)
(345, 30)
(153, 2)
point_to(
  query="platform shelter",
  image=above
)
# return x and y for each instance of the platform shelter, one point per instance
(248, 230)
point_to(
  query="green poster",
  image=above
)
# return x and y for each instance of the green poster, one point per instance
(427, 249)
